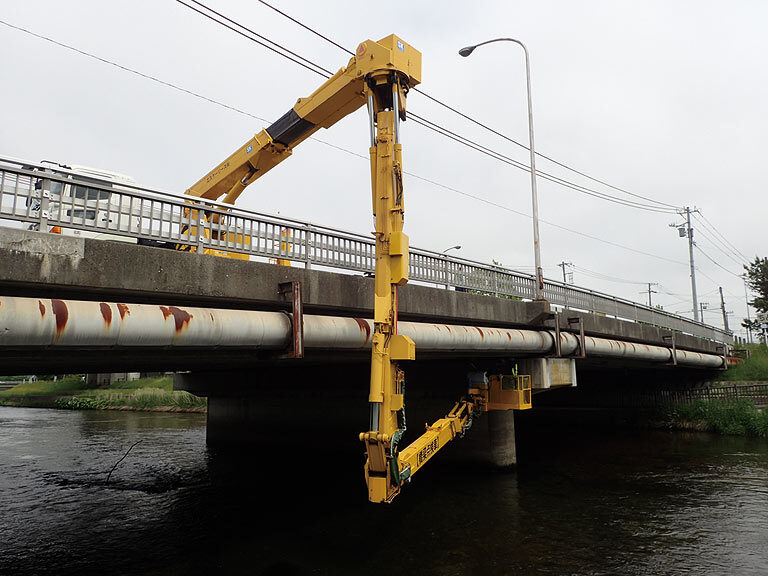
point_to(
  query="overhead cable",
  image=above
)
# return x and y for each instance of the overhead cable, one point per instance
(700, 234)
(419, 119)
(313, 138)
(719, 238)
(708, 257)
(473, 120)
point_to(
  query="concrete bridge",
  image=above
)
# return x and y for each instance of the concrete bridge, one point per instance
(242, 335)
(75, 304)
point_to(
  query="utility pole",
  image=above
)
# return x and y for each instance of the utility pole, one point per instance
(650, 302)
(686, 230)
(749, 318)
(693, 268)
(563, 265)
(722, 307)
(703, 306)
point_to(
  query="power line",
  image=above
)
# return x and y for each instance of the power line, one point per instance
(543, 175)
(723, 237)
(715, 262)
(433, 182)
(716, 236)
(315, 32)
(473, 120)
(275, 47)
(132, 71)
(601, 276)
(421, 120)
(723, 252)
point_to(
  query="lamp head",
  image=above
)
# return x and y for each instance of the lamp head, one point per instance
(467, 50)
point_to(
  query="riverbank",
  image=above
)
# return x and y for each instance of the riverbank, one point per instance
(70, 393)
(729, 417)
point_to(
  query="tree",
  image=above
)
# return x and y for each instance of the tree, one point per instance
(757, 280)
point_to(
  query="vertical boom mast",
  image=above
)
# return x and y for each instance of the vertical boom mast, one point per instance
(386, 91)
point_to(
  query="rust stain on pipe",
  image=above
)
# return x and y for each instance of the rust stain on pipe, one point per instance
(364, 327)
(42, 308)
(482, 336)
(123, 309)
(106, 312)
(62, 315)
(180, 317)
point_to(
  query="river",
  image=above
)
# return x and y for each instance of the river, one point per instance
(582, 502)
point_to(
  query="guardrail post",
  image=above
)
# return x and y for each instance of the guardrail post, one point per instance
(45, 199)
(201, 225)
(307, 244)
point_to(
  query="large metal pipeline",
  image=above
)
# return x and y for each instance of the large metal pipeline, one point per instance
(32, 322)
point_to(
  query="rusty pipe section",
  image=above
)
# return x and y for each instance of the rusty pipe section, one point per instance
(607, 348)
(354, 333)
(51, 322)
(32, 322)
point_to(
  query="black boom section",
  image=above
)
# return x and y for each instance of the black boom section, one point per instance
(289, 128)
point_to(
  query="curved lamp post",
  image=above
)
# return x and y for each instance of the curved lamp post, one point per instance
(457, 247)
(534, 199)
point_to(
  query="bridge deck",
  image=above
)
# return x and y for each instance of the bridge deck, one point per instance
(52, 266)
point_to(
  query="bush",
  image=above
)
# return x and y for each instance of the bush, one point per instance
(738, 418)
(753, 368)
(79, 403)
(147, 398)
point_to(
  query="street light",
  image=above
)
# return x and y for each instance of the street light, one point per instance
(534, 199)
(457, 247)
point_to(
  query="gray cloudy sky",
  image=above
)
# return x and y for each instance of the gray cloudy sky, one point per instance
(666, 99)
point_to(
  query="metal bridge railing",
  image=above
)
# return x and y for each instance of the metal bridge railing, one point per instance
(44, 197)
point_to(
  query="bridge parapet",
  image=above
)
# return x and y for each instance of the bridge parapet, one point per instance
(152, 215)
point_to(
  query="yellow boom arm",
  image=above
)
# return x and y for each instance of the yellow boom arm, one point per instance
(499, 392)
(340, 95)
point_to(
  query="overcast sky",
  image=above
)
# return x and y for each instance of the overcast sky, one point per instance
(663, 99)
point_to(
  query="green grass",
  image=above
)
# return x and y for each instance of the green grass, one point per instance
(45, 387)
(753, 368)
(69, 393)
(737, 418)
(146, 398)
(161, 382)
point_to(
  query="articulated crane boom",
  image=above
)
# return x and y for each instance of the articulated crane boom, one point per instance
(375, 67)
(379, 76)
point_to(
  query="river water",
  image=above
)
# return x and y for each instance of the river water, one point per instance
(588, 501)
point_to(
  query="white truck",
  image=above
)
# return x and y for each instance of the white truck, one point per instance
(97, 210)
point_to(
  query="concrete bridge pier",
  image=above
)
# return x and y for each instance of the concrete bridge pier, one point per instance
(501, 438)
(295, 407)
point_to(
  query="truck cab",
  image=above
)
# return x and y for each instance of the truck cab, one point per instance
(85, 206)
